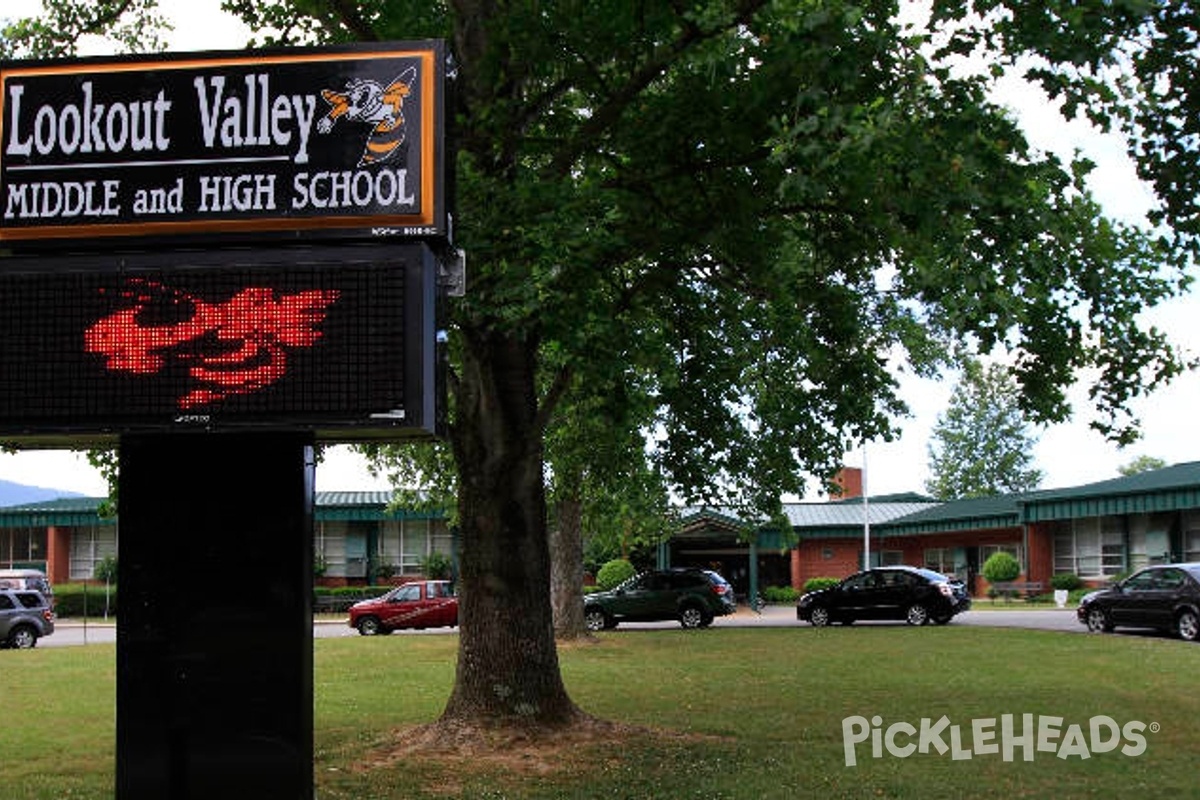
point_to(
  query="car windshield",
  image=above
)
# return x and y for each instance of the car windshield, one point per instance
(406, 593)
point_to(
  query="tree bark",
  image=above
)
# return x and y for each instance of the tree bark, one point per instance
(508, 671)
(566, 570)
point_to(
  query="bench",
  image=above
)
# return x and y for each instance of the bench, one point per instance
(1027, 589)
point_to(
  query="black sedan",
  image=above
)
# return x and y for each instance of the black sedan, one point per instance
(904, 593)
(1166, 597)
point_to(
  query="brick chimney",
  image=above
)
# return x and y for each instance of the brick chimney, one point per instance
(847, 484)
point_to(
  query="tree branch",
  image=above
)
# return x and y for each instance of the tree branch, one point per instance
(101, 22)
(607, 114)
(558, 387)
(347, 14)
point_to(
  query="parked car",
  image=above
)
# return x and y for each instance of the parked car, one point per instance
(26, 579)
(692, 596)
(25, 617)
(913, 594)
(418, 604)
(1166, 597)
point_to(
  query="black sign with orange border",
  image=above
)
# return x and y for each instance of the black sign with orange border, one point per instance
(342, 142)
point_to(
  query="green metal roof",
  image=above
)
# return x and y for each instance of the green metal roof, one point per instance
(364, 506)
(1173, 488)
(840, 519)
(971, 514)
(65, 511)
(328, 506)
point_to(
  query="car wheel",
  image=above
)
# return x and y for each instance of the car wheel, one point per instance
(1098, 621)
(369, 626)
(595, 619)
(1188, 626)
(917, 614)
(691, 617)
(819, 616)
(22, 637)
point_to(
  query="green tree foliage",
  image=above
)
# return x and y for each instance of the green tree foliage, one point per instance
(1141, 464)
(742, 218)
(106, 569)
(437, 566)
(981, 444)
(130, 25)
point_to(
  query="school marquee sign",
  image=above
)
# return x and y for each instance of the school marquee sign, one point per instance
(223, 242)
(343, 141)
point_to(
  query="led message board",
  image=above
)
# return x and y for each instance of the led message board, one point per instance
(339, 141)
(339, 341)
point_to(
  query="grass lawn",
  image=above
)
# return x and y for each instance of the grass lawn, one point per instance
(727, 713)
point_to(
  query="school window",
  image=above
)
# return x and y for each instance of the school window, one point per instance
(940, 559)
(1091, 548)
(406, 543)
(1191, 545)
(986, 551)
(414, 545)
(22, 548)
(89, 546)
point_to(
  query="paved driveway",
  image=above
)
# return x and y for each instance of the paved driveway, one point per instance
(72, 633)
(1049, 619)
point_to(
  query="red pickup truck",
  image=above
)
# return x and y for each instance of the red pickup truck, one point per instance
(419, 604)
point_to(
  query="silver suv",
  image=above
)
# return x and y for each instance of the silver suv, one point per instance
(25, 616)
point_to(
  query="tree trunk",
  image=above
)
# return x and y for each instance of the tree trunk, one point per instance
(508, 670)
(566, 570)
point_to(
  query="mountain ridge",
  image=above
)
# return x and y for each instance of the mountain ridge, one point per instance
(17, 494)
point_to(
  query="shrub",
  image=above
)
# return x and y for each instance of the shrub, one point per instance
(355, 592)
(69, 600)
(436, 566)
(382, 570)
(614, 572)
(813, 584)
(780, 594)
(1001, 567)
(340, 598)
(1068, 581)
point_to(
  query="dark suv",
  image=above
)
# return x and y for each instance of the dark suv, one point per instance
(692, 596)
(25, 616)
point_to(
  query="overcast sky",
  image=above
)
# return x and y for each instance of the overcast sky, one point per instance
(1068, 454)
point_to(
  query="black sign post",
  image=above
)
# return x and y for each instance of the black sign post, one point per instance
(218, 260)
(214, 635)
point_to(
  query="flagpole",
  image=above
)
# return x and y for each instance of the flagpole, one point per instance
(866, 512)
